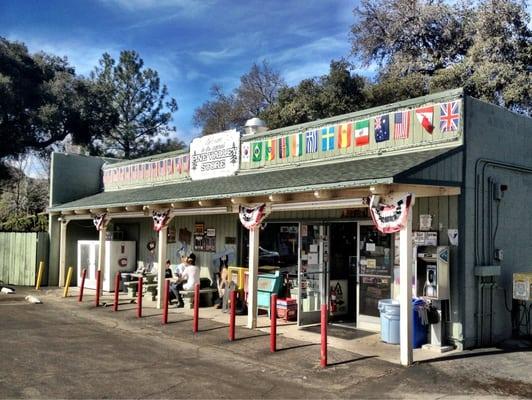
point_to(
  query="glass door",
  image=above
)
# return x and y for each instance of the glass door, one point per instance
(312, 272)
(374, 274)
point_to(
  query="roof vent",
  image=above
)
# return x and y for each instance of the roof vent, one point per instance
(255, 125)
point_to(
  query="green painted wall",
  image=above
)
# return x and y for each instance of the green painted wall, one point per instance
(20, 253)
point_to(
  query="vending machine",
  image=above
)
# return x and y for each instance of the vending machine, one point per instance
(120, 256)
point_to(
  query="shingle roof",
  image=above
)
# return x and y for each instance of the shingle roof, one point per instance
(353, 173)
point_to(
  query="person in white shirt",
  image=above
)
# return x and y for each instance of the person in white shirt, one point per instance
(187, 279)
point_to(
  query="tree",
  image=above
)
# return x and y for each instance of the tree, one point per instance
(424, 46)
(41, 101)
(219, 114)
(257, 91)
(143, 108)
(338, 92)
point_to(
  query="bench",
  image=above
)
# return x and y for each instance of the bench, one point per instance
(205, 297)
(132, 289)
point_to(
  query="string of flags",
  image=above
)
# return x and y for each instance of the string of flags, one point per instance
(356, 134)
(156, 169)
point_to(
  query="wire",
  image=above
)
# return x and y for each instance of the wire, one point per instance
(496, 225)
(505, 302)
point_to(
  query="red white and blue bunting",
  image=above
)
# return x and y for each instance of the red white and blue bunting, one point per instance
(392, 216)
(100, 221)
(251, 217)
(160, 219)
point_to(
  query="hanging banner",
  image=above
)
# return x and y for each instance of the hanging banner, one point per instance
(252, 216)
(160, 219)
(390, 217)
(100, 221)
(215, 156)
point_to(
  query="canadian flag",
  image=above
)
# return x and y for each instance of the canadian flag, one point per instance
(424, 116)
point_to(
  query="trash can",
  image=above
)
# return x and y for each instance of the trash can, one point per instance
(389, 314)
(420, 330)
(390, 322)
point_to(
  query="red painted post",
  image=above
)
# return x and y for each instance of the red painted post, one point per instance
(273, 323)
(83, 276)
(165, 300)
(196, 307)
(98, 287)
(232, 316)
(139, 299)
(117, 291)
(323, 353)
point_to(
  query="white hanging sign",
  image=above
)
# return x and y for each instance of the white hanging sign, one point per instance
(215, 155)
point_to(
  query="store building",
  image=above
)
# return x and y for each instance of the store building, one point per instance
(466, 164)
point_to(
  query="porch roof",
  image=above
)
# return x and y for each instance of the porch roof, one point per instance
(346, 174)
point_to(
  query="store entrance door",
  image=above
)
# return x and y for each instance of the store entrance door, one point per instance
(312, 272)
(374, 274)
(343, 272)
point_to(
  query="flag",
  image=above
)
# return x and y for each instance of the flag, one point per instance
(449, 116)
(127, 174)
(177, 165)
(327, 139)
(382, 128)
(154, 170)
(344, 135)
(185, 163)
(297, 145)
(311, 139)
(401, 125)
(362, 132)
(169, 167)
(134, 172)
(284, 147)
(246, 152)
(257, 151)
(121, 174)
(424, 116)
(146, 171)
(162, 168)
(270, 149)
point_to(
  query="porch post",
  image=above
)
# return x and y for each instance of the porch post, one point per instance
(62, 252)
(405, 297)
(101, 254)
(252, 280)
(161, 257)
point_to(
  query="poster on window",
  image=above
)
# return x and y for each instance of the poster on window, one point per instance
(338, 297)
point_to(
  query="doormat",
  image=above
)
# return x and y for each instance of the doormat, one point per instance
(340, 332)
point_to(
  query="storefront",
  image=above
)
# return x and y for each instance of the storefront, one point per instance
(327, 208)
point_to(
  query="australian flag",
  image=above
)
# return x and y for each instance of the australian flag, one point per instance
(382, 128)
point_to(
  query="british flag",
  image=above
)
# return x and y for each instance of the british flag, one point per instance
(449, 116)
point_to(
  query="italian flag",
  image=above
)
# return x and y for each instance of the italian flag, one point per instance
(425, 117)
(362, 132)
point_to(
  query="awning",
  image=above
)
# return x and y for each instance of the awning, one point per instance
(345, 174)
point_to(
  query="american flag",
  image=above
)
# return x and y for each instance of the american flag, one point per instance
(185, 161)
(162, 168)
(449, 116)
(127, 174)
(311, 139)
(115, 174)
(177, 165)
(169, 167)
(154, 170)
(401, 125)
(146, 171)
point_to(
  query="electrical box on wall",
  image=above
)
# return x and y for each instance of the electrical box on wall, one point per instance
(522, 286)
(432, 272)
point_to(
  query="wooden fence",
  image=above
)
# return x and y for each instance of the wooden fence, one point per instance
(20, 253)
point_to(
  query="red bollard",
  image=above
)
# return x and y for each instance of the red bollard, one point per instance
(139, 299)
(98, 287)
(117, 291)
(232, 316)
(323, 353)
(196, 308)
(83, 276)
(273, 323)
(165, 299)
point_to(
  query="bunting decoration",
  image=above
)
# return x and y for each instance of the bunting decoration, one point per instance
(100, 221)
(251, 217)
(390, 217)
(160, 219)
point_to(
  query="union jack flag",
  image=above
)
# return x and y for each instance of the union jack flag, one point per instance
(449, 116)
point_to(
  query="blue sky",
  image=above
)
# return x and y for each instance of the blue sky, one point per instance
(192, 44)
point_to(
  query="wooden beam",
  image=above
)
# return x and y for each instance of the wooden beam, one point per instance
(323, 194)
(115, 209)
(207, 203)
(278, 198)
(97, 210)
(133, 208)
(81, 212)
(425, 190)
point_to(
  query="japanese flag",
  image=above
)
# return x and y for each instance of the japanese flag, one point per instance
(424, 116)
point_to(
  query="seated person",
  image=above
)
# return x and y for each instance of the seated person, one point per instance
(221, 281)
(187, 280)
